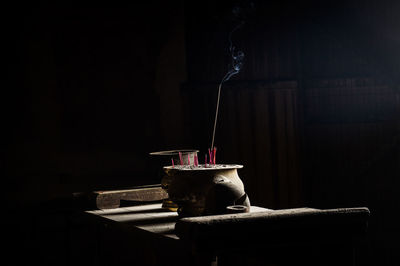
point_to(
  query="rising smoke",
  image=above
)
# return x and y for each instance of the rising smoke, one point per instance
(237, 57)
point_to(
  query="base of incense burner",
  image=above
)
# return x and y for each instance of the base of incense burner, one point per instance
(204, 189)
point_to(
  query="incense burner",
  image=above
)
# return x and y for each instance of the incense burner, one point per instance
(204, 189)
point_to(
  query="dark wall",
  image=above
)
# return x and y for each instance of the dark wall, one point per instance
(85, 100)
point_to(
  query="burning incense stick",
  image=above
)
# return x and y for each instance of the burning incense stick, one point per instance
(216, 115)
(172, 160)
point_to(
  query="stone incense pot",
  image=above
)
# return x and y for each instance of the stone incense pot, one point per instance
(205, 189)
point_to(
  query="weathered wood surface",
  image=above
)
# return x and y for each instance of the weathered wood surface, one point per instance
(275, 227)
(110, 199)
(141, 234)
(148, 217)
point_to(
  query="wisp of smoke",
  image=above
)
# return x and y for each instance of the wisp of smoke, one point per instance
(236, 57)
(236, 65)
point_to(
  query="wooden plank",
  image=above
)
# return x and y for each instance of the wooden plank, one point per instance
(279, 226)
(108, 199)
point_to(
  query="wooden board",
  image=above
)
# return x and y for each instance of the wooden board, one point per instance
(109, 199)
(275, 227)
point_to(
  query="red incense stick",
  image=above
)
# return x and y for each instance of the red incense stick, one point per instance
(180, 158)
(172, 160)
(214, 152)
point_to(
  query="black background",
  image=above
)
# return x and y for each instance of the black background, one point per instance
(91, 89)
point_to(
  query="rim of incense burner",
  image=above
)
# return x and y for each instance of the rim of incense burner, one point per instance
(212, 167)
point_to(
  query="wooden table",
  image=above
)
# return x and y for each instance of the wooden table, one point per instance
(149, 235)
(154, 241)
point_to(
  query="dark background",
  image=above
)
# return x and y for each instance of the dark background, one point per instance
(91, 89)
